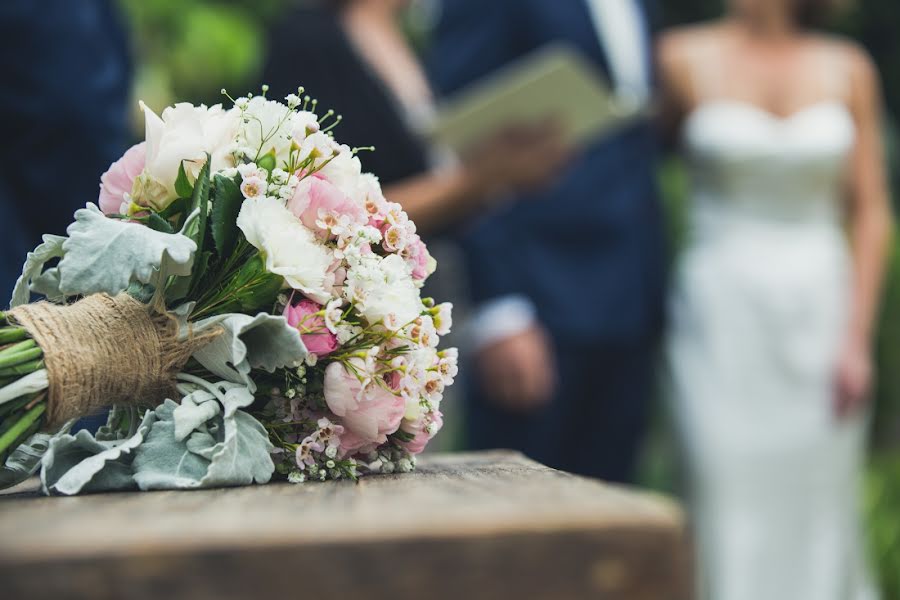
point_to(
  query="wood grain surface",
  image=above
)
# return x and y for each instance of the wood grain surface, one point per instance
(478, 525)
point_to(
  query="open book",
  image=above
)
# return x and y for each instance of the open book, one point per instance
(554, 82)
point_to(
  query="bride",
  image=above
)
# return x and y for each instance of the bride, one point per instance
(776, 296)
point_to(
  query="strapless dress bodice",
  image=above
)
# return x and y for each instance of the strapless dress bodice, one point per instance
(748, 165)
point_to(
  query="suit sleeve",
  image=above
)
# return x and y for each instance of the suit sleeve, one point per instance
(472, 38)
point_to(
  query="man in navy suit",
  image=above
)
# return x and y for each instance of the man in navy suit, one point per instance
(568, 281)
(63, 116)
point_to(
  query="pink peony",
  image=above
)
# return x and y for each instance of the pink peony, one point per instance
(119, 179)
(316, 337)
(316, 200)
(420, 429)
(368, 415)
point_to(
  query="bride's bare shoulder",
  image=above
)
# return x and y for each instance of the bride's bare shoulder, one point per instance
(851, 57)
(679, 44)
(679, 50)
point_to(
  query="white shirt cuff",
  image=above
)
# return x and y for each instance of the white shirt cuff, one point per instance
(500, 318)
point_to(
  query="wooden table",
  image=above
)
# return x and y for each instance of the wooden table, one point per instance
(471, 526)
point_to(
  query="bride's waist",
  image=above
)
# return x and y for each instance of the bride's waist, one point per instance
(712, 220)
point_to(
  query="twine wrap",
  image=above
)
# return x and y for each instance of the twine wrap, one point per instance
(105, 350)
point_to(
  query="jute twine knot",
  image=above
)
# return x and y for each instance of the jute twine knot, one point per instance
(105, 350)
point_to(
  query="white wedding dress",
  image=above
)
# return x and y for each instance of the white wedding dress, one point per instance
(758, 313)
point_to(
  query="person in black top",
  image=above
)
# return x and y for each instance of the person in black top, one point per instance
(352, 57)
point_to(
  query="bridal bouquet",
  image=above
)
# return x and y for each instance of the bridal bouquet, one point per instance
(247, 302)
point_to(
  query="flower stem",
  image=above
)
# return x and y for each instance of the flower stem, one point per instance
(12, 334)
(17, 358)
(23, 368)
(23, 425)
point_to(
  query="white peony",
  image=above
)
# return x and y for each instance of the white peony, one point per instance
(290, 249)
(384, 291)
(267, 127)
(184, 133)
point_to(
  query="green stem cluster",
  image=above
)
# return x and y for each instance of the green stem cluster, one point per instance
(22, 416)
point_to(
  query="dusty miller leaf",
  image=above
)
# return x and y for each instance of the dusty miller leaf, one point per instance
(261, 342)
(195, 409)
(106, 255)
(24, 461)
(232, 448)
(162, 462)
(52, 247)
(79, 463)
(243, 457)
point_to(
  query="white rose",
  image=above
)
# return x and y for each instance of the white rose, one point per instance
(290, 249)
(184, 133)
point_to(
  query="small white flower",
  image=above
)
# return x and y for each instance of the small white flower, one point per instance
(253, 188)
(330, 464)
(443, 317)
(311, 359)
(293, 100)
(404, 465)
(290, 393)
(331, 451)
(296, 477)
(333, 314)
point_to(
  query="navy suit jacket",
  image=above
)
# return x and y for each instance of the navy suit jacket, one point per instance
(66, 72)
(588, 251)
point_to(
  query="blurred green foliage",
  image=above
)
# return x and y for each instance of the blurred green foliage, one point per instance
(190, 50)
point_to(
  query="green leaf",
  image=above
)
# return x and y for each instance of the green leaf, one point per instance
(225, 209)
(253, 287)
(267, 161)
(157, 223)
(200, 202)
(179, 205)
(182, 186)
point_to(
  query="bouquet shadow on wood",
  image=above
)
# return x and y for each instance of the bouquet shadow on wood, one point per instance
(245, 300)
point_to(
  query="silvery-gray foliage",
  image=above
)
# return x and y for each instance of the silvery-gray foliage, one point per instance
(80, 463)
(24, 461)
(230, 448)
(261, 342)
(52, 247)
(206, 440)
(106, 255)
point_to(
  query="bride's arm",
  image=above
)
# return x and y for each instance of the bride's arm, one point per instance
(870, 222)
(672, 58)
